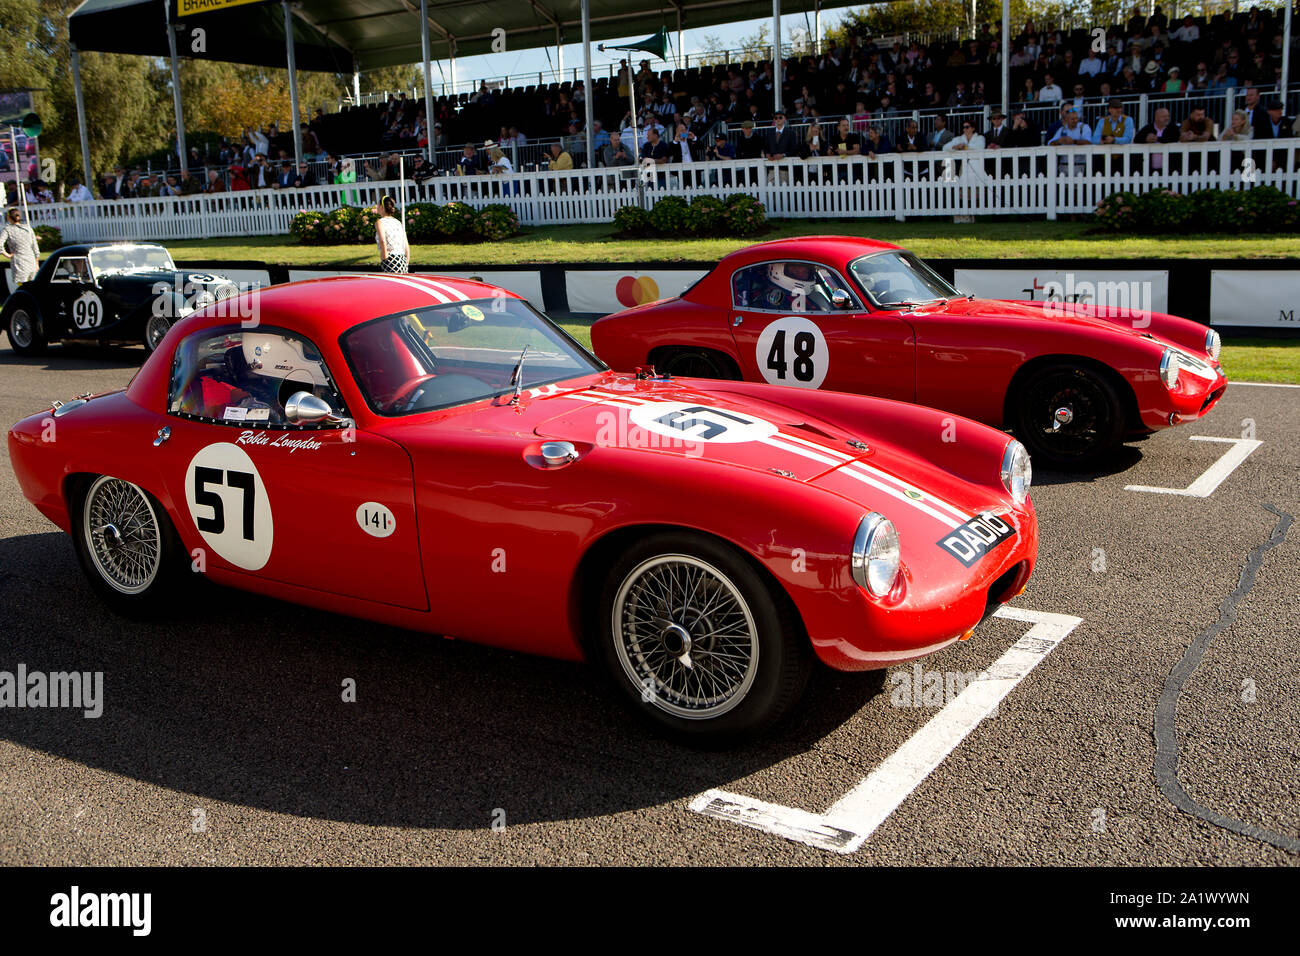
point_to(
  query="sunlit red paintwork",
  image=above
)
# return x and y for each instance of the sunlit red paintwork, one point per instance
(961, 357)
(492, 545)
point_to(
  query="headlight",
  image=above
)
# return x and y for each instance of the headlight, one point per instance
(1169, 365)
(1212, 343)
(876, 554)
(1017, 472)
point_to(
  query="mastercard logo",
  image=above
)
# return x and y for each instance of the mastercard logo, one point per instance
(636, 290)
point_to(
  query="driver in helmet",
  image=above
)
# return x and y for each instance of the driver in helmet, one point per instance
(791, 287)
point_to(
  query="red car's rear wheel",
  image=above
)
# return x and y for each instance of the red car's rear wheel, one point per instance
(1068, 416)
(696, 363)
(127, 547)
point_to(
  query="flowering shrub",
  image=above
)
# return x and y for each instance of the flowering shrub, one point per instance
(1117, 213)
(47, 237)
(496, 222)
(670, 216)
(341, 226)
(422, 222)
(456, 221)
(707, 216)
(1261, 209)
(425, 222)
(633, 222)
(745, 215)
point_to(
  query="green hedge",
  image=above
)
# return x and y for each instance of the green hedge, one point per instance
(48, 238)
(1261, 209)
(426, 222)
(703, 216)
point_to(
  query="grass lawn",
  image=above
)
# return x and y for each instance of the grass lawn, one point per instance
(1262, 360)
(935, 239)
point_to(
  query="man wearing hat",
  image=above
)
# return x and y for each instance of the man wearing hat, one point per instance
(1274, 124)
(749, 146)
(781, 143)
(1115, 129)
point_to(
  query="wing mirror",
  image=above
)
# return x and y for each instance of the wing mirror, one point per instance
(304, 408)
(841, 299)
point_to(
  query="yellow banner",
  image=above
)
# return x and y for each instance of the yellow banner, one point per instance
(187, 8)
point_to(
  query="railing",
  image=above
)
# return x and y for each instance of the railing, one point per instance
(1046, 181)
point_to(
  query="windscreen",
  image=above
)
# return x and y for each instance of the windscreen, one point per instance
(459, 353)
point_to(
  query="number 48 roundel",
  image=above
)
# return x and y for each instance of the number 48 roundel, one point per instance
(229, 506)
(792, 351)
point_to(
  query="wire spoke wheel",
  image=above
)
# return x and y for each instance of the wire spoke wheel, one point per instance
(22, 331)
(685, 635)
(154, 331)
(122, 534)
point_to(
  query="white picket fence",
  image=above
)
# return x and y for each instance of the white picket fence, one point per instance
(1047, 181)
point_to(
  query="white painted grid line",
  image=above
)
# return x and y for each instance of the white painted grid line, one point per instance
(853, 818)
(1215, 475)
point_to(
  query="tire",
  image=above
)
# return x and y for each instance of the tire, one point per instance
(128, 548)
(23, 326)
(155, 327)
(1096, 416)
(696, 363)
(675, 676)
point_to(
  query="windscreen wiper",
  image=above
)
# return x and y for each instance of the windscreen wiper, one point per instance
(517, 376)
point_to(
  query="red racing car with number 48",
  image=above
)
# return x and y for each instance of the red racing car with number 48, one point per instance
(856, 315)
(435, 454)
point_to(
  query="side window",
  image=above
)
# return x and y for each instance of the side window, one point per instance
(71, 269)
(790, 286)
(238, 377)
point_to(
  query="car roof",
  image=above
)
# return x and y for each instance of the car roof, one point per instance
(834, 249)
(325, 308)
(84, 248)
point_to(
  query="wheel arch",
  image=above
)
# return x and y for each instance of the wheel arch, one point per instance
(17, 298)
(590, 575)
(660, 355)
(1127, 397)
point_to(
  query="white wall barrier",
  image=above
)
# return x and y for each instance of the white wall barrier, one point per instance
(1043, 181)
(1255, 297)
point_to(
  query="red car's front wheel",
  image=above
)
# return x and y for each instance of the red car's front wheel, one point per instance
(698, 641)
(1068, 416)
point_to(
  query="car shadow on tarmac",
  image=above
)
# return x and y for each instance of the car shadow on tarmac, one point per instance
(79, 356)
(241, 700)
(1121, 459)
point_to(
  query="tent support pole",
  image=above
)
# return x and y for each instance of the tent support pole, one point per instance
(81, 114)
(776, 56)
(1006, 59)
(183, 153)
(587, 92)
(428, 80)
(293, 84)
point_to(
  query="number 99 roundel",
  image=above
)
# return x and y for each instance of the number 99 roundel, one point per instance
(228, 503)
(792, 351)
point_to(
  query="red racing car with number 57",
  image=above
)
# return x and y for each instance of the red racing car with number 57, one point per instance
(856, 315)
(434, 454)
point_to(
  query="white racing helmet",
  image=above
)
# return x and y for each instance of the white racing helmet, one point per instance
(797, 278)
(277, 358)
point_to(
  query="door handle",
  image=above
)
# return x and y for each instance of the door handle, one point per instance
(164, 433)
(737, 320)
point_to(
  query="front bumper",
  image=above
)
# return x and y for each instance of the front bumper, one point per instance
(940, 605)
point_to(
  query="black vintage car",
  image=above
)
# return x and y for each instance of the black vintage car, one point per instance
(107, 292)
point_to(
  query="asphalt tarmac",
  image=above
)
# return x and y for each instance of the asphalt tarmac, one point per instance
(224, 738)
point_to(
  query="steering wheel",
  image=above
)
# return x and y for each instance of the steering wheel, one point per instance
(404, 398)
